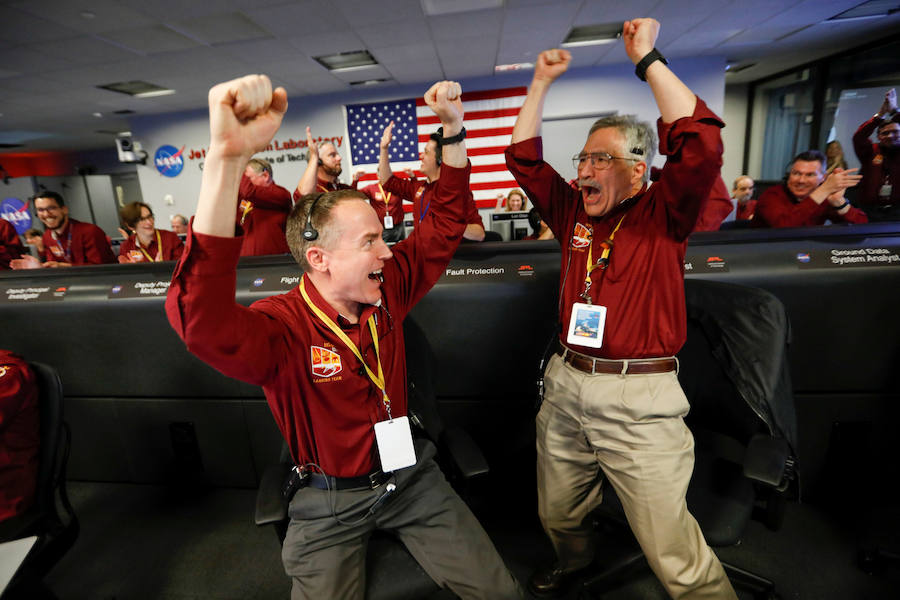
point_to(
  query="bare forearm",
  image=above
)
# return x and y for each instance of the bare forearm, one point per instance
(384, 166)
(307, 183)
(218, 199)
(674, 99)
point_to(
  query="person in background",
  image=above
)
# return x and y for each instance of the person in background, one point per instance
(808, 197)
(539, 228)
(147, 243)
(515, 201)
(35, 238)
(614, 410)
(19, 435)
(262, 211)
(879, 194)
(179, 224)
(11, 247)
(67, 242)
(419, 194)
(742, 194)
(834, 153)
(323, 166)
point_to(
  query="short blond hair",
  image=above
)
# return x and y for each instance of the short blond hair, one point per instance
(321, 221)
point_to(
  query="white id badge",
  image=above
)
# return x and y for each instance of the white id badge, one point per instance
(388, 222)
(395, 444)
(885, 190)
(586, 325)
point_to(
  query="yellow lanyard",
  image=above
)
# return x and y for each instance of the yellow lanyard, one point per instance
(378, 380)
(158, 258)
(385, 197)
(247, 207)
(602, 262)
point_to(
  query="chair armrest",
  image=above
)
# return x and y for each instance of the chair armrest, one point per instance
(271, 507)
(768, 460)
(465, 452)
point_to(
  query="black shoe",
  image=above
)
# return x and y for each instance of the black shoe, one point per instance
(551, 581)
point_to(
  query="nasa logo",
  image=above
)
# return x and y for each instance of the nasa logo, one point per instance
(258, 281)
(116, 289)
(325, 362)
(803, 257)
(168, 160)
(16, 212)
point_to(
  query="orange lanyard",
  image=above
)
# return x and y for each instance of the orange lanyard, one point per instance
(602, 262)
(378, 380)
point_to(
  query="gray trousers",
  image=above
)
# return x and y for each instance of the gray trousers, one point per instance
(326, 559)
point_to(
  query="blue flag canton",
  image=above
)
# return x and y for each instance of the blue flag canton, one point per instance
(366, 123)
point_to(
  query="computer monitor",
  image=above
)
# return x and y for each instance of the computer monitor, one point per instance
(510, 225)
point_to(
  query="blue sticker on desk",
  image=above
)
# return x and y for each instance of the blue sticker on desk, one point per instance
(843, 258)
(274, 283)
(139, 289)
(34, 293)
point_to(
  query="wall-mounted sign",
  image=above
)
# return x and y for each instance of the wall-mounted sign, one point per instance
(168, 160)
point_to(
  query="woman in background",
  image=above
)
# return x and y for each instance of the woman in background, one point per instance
(835, 155)
(148, 244)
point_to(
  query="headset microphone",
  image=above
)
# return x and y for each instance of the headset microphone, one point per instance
(309, 232)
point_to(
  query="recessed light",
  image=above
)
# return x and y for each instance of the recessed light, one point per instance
(591, 35)
(98, 115)
(86, 14)
(138, 89)
(346, 60)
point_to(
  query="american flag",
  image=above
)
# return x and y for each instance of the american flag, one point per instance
(489, 120)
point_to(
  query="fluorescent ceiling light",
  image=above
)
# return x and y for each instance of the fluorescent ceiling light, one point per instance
(138, 89)
(346, 60)
(433, 8)
(513, 67)
(592, 35)
(369, 81)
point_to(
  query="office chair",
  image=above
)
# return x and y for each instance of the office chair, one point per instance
(733, 369)
(55, 529)
(391, 571)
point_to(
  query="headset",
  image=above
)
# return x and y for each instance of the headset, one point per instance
(309, 232)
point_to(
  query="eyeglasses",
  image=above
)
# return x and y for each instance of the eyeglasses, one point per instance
(48, 209)
(599, 160)
(149, 217)
(889, 132)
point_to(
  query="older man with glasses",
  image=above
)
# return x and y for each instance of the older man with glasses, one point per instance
(613, 407)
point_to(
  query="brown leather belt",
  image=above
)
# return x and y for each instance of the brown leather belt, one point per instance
(640, 366)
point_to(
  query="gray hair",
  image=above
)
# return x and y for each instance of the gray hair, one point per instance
(640, 139)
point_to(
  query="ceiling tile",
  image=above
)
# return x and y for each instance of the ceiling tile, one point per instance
(383, 11)
(220, 28)
(106, 14)
(150, 40)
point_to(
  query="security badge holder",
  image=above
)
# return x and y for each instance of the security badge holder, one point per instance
(395, 444)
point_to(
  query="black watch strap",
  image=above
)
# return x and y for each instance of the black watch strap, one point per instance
(641, 68)
(452, 140)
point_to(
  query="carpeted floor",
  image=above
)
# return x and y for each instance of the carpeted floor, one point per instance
(148, 542)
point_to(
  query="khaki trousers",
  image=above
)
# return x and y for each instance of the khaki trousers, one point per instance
(632, 427)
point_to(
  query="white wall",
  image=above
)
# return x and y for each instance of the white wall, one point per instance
(581, 91)
(735, 132)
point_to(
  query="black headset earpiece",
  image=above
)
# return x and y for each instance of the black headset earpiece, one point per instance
(437, 136)
(309, 232)
(320, 162)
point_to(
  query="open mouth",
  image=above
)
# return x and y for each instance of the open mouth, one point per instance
(377, 276)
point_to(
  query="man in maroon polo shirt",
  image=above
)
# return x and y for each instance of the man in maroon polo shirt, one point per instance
(880, 163)
(11, 247)
(323, 165)
(262, 210)
(67, 242)
(330, 358)
(420, 194)
(389, 208)
(613, 407)
(808, 197)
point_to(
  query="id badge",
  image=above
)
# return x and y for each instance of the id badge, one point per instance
(885, 191)
(395, 444)
(586, 325)
(388, 222)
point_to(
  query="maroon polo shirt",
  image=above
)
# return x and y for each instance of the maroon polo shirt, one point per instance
(877, 167)
(384, 203)
(172, 247)
(324, 186)
(323, 404)
(421, 195)
(643, 287)
(88, 245)
(19, 435)
(262, 213)
(10, 245)
(778, 207)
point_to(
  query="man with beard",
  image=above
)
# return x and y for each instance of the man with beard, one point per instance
(67, 242)
(322, 169)
(879, 194)
(613, 407)
(807, 197)
(743, 196)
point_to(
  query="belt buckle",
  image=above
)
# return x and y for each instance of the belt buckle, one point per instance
(375, 479)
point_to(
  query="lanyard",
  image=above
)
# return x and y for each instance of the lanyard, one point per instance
(602, 262)
(326, 188)
(386, 197)
(246, 207)
(67, 251)
(137, 242)
(427, 206)
(378, 380)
